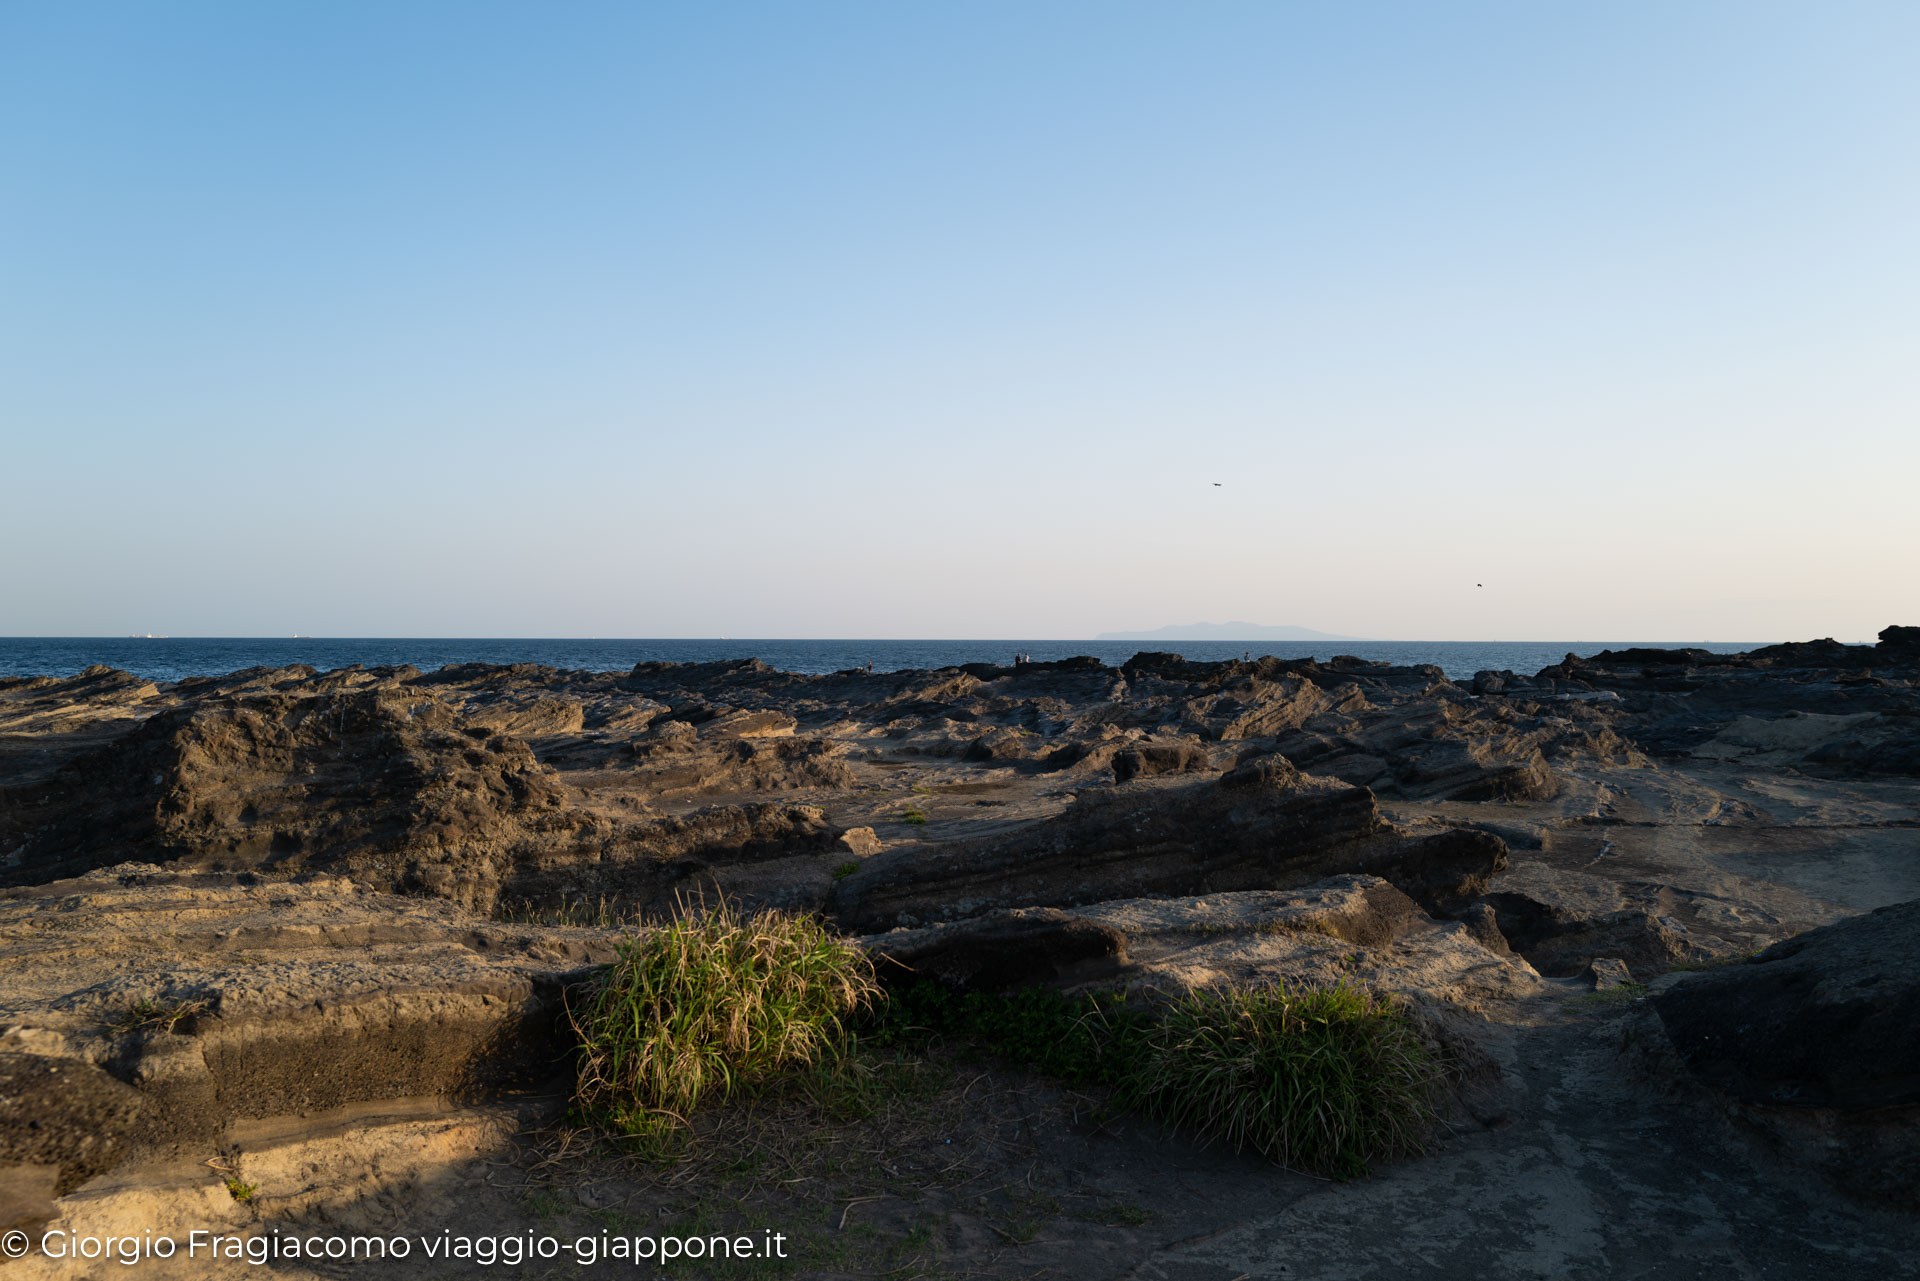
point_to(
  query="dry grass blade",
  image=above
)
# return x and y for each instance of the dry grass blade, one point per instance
(165, 1015)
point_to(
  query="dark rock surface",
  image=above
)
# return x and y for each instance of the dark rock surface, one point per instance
(1020, 948)
(1817, 1042)
(1827, 1019)
(66, 1117)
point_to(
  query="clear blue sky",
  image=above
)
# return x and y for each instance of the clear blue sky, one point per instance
(817, 319)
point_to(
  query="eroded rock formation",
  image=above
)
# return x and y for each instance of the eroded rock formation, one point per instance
(363, 884)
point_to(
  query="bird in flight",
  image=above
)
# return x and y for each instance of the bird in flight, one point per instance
(1216, 484)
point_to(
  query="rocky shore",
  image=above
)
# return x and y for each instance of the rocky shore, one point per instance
(310, 935)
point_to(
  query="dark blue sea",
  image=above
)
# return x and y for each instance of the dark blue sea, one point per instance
(170, 658)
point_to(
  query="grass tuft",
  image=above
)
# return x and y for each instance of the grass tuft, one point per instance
(913, 817)
(710, 1004)
(238, 1190)
(165, 1015)
(1327, 1079)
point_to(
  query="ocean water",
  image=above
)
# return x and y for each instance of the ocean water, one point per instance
(171, 658)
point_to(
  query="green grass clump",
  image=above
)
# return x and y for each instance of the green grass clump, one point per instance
(845, 870)
(1326, 1079)
(240, 1191)
(913, 816)
(709, 1004)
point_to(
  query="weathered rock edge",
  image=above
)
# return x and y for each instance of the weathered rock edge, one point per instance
(1261, 826)
(144, 1011)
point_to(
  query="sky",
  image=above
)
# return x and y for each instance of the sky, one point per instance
(1422, 321)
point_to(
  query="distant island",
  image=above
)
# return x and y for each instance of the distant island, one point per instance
(1226, 632)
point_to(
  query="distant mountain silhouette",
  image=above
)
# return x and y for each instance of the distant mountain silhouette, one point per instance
(1226, 632)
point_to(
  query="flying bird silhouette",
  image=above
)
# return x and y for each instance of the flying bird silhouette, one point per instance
(1216, 484)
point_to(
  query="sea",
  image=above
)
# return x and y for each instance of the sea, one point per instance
(170, 658)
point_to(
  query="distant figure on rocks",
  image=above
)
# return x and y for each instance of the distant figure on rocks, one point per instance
(869, 664)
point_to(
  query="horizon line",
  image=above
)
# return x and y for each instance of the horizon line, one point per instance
(1208, 640)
